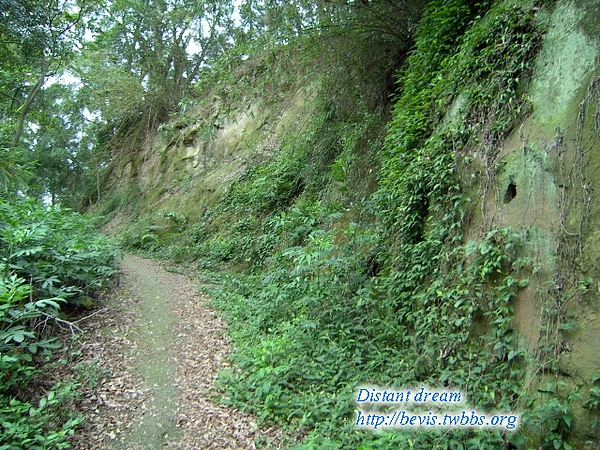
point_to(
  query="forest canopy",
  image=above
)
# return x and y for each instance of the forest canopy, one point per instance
(78, 76)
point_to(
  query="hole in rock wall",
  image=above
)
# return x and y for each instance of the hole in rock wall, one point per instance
(511, 192)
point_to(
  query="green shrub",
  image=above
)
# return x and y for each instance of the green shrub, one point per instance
(57, 250)
(48, 258)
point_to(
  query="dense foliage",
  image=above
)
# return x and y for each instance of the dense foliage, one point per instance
(83, 81)
(345, 258)
(332, 291)
(48, 259)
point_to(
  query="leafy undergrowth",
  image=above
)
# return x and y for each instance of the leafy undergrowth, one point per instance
(50, 259)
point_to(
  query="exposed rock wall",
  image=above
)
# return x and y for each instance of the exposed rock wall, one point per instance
(544, 182)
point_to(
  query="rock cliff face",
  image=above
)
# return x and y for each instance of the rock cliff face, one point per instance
(542, 182)
(542, 179)
(188, 164)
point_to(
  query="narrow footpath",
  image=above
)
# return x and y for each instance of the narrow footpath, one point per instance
(156, 350)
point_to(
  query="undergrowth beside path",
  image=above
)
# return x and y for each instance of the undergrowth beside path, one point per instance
(51, 261)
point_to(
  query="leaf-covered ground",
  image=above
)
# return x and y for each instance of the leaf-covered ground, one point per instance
(151, 358)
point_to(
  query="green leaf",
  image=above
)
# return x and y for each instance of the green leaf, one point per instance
(567, 326)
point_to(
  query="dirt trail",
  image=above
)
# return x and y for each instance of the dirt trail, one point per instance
(159, 348)
(155, 359)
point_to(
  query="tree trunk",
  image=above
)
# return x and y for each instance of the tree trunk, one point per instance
(33, 92)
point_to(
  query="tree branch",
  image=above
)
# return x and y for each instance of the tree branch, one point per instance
(71, 326)
(33, 92)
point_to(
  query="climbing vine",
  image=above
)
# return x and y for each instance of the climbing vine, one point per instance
(413, 300)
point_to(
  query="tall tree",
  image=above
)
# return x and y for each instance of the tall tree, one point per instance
(37, 39)
(146, 55)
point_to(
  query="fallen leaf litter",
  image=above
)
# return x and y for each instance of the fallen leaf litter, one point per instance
(119, 399)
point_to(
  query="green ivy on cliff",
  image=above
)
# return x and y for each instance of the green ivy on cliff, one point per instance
(407, 300)
(329, 291)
